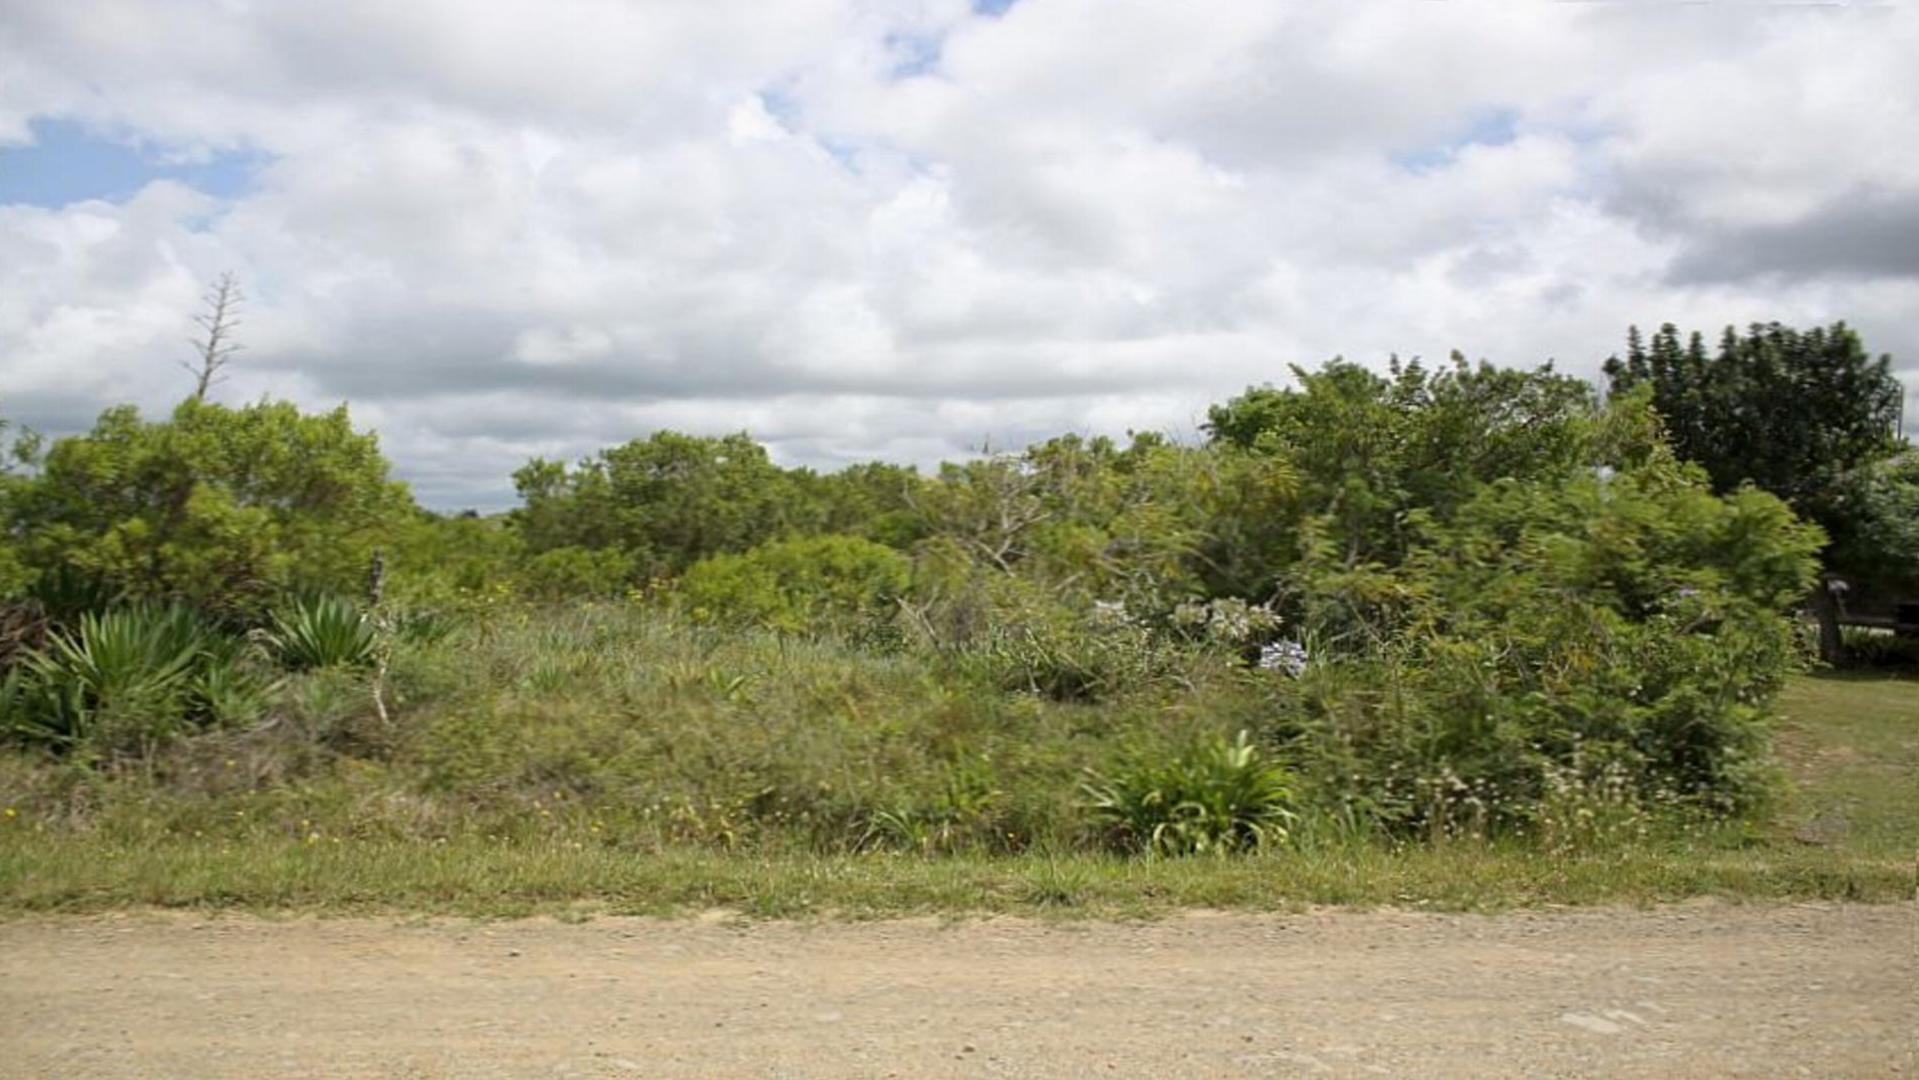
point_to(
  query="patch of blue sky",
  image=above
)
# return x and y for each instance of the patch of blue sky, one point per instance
(1488, 127)
(913, 54)
(992, 8)
(781, 105)
(68, 162)
(844, 151)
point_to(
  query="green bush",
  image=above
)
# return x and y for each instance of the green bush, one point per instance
(575, 572)
(1067, 655)
(794, 585)
(1879, 649)
(1214, 797)
(1633, 619)
(219, 508)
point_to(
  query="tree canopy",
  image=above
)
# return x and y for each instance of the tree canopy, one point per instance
(1808, 415)
(218, 507)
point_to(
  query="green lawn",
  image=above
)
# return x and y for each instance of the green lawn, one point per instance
(1848, 830)
(1851, 745)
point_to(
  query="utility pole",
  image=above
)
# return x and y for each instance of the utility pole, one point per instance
(219, 320)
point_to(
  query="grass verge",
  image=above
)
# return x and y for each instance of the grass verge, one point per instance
(1848, 831)
(478, 878)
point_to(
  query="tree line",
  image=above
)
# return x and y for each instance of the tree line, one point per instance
(225, 508)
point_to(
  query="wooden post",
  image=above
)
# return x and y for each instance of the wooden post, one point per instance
(1825, 605)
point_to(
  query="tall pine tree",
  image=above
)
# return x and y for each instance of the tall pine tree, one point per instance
(1803, 414)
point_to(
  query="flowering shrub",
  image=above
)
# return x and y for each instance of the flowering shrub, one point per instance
(1287, 657)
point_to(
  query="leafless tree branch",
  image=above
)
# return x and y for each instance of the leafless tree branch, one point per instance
(219, 321)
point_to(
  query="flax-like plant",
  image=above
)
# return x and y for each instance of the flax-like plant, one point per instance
(1215, 796)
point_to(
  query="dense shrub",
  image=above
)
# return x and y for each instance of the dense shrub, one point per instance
(1631, 620)
(793, 585)
(1464, 601)
(665, 501)
(575, 573)
(1070, 654)
(1868, 650)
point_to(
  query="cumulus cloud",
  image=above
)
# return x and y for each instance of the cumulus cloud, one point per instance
(502, 228)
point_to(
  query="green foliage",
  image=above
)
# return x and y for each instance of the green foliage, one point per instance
(872, 500)
(127, 680)
(1213, 797)
(666, 501)
(1368, 449)
(796, 585)
(217, 508)
(1874, 524)
(16, 575)
(1094, 522)
(1784, 409)
(1630, 619)
(1807, 415)
(1040, 646)
(575, 573)
(1868, 649)
(321, 630)
(444, 559)
(1464, 600)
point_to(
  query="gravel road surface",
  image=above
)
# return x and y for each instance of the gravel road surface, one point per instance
(1698, 990)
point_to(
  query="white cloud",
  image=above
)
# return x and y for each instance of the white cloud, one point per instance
(860, 228)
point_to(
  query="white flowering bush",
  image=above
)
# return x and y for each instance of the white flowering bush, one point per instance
(1286, 657)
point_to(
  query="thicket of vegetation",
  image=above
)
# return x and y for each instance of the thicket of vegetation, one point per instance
(1464, 600)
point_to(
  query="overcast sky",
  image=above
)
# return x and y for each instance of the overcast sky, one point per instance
(899, 229)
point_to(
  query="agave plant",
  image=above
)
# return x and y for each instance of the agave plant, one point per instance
(1216, 796)
(129, 667)
(322, 631)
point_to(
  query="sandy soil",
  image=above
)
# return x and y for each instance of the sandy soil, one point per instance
(1706, 990)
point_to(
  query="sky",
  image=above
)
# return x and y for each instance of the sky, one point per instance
(913, 229)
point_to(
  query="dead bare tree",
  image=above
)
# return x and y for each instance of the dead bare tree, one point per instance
(219, 320)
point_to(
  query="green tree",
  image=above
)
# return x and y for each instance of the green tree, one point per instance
(1086, 518)
(871, 499)
(666, 501)
(20, 449)
(1875, 525)
(439, 557)
(217, 507)
(1367, 449)
(1805, 414)
(1790, 411)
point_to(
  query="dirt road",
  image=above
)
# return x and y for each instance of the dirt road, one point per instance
(1697, 991)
